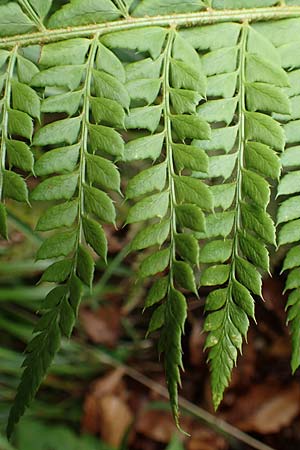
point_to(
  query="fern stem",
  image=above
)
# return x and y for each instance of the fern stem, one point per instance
(84, 134)
(168, 143)
(188, 19)
(123, 8)
(238, 196)
(241, 143)
(240, 157)
(32, 15)
(6, 107)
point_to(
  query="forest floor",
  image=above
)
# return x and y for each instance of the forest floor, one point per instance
(108, 382)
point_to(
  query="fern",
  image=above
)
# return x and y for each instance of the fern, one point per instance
(214, 106)
(81, 173)
(20, 104)
(289, 188)
(245, 84)
(167, 70)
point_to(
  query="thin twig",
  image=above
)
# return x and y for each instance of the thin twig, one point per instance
(213, 422)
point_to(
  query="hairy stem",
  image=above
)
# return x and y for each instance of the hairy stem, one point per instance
(84, 133)
(168, 142)
(32, 15)
(240, 164)
(238, 198)
(241, 147)
(188, 19)
(6, 107)
(123, 8)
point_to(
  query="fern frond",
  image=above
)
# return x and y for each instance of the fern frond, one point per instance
(20, 105)
(212, 109)
(13, 20)
(289, 186)
(60, 310)
(169, 69)
(82, 172)
(248, 141)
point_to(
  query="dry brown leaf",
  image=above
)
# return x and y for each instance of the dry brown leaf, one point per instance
(110, 384)
(203, 439)
(115, 419)
(90, 418)
(266, 409)
(196, 344)
(276, 413)
(102, 326)
(156, 425)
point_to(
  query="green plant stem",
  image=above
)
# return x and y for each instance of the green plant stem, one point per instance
(6, 107)
(123, 8)
(213, 422)
(84, 136)
(32, 14)
(241, 148)
(238, 194)
(188, 19)
(168, 143)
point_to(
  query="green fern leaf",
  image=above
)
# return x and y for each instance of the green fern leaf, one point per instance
(175, 199)
(206, 108)
(82, 172)
(20, 104)
(289, 188)
(248, 140)
(14, 20)
(155, 7)
(77, 12)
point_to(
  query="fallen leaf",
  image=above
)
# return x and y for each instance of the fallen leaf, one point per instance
(204, 439)
(267, 409)
(102, 326)
(90, 418)
(115, 419)
(156, 425)
(196, 344)
(110, 384)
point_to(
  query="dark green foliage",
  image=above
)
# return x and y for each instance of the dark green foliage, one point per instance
(206, 109)
(289, 188)
(249, 162)
(80, 156)
(165, 192)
